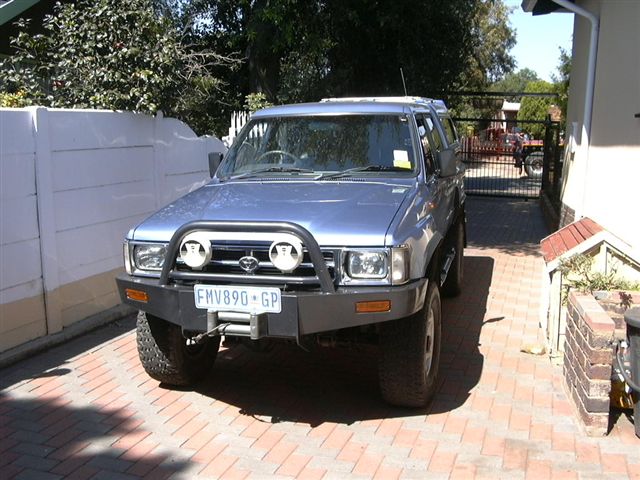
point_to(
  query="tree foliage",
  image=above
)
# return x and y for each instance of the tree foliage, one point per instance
(115, 55)
(515, 82)
(299, 50)
(561, 81)
(536, 108)
(145, 55)
(489, 59)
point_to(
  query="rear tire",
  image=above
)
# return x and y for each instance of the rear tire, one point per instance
(533, 165)
(169, 357)
(453, 284)
(410, 354)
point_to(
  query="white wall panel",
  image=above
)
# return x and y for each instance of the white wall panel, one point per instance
(17, 174)
(78, 208)
(16, 131)
(93, 168)
(19, 220)
(29, 289)
(79, 273)
(93, 129)
(87, 245)
(20, 263)
(183, 150)
(179, 185)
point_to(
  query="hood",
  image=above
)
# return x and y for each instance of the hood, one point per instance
(336, 213)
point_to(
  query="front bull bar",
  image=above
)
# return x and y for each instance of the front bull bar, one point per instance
(322, 273)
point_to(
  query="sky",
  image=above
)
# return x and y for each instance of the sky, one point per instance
(538, 39)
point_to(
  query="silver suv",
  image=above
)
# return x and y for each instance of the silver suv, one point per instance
(342, 219)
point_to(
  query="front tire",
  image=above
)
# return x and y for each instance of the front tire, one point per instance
(169, 357)
(410, 354)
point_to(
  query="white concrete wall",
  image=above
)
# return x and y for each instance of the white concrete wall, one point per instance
(72, 184)
(21, 285)
(601, 180)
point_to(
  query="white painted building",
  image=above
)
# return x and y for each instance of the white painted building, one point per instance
(602, 157)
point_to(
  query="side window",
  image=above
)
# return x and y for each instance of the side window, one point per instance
(450, 130)
(425, 125)
(434, 134)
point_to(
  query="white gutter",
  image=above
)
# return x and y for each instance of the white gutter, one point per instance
(585, 137)
(591, 65)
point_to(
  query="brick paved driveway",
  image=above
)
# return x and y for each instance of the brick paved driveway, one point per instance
(87, 410)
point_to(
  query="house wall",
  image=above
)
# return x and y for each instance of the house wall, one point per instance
(73, 182)
(601, 180)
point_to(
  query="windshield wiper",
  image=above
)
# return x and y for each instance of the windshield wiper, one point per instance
(271, 169)
(368, 168)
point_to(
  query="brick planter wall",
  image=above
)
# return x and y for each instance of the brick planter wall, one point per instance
(588, 358)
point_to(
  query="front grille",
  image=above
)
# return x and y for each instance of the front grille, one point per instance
(226, 255)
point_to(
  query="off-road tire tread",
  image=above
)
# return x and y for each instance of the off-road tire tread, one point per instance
(160, 348)
(401, 367)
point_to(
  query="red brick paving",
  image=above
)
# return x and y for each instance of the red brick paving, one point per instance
(88, 409)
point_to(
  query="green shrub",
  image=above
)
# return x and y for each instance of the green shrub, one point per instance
(14, 100)
(256, 101)
(578, 274)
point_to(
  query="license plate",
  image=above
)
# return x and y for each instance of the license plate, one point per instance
(238, 299)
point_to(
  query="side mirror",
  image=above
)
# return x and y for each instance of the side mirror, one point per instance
(215, 158)
(448, 162)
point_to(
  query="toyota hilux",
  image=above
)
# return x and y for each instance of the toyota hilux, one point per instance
(339, 219)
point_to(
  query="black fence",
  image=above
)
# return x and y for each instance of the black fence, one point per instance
(492, 169)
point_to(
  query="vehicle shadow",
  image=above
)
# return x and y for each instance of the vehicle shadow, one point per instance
(341, 385)
(461, 362)
(50, 438)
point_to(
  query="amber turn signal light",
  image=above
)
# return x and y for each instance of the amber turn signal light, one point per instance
(373, 307)
(137, 295)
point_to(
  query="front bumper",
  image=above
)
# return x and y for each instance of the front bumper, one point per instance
(303, 312)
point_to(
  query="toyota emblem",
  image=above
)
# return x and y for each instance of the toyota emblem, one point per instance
(249, 264)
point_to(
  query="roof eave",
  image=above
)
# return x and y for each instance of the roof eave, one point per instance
(542, 7)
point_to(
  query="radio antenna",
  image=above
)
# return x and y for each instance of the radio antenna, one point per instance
(404, 85)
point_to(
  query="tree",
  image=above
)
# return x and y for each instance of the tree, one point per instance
(298, 50)
(115, 55)
(515, 82)
(561, 81)
(489, 59)
(536, 108)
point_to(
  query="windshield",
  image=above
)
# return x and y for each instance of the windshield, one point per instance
(322, 147)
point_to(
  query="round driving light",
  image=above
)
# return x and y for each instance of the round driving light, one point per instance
(286, 255)
(195, 250)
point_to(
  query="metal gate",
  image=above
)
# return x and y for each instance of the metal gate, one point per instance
(492, 169)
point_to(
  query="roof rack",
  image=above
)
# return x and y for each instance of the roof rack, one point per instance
(439, 104)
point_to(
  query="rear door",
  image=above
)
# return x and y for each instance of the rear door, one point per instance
(451, 184)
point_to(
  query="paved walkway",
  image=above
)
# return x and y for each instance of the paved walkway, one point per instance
(87, 410)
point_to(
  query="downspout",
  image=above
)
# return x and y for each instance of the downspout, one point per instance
(585, 137)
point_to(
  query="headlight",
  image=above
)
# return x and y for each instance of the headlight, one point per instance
(149, 256)
(367, 264)
(400, 265)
